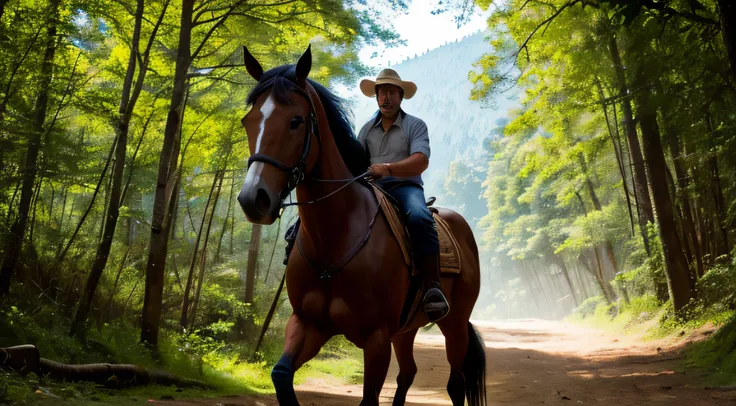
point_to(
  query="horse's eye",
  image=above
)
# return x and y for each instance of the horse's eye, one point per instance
(296, 122)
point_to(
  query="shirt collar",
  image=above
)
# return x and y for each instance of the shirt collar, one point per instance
(399, 119)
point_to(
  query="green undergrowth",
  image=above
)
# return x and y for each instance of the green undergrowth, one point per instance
(339, 359)
(203, 355)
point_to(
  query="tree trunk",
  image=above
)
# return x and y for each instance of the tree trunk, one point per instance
(106, 200)
(26, 359)
(36, 193)
(174, 217)
(269, 316)
(18, 228)
(702, 231)
(603, 281)
(186, 302)
(533, 271)
(599, 272)
(518, 266)
(561, 263)
(583, 284)
(679, 219)
(60, 223)
(116, 179)
(203, 262)
(682, 182)
(641, 192)
(250, 274)
(107, 309)
(597, 205)
(717, 190)
(675, 264)
(227, 218)
(615, 142)
(9, 214)
(727, 13)
(167, 177)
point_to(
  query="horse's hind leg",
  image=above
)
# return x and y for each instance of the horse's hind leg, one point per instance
(302, 343)
(404, 349)
(456, 345)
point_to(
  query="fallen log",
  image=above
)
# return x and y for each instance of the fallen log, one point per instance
(25, 359)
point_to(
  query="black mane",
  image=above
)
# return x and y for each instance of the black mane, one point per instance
(281, 81)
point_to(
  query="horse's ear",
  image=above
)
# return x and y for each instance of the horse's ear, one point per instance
(251, 65)
(304, 66)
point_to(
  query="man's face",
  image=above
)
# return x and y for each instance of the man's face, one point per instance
(389, 99)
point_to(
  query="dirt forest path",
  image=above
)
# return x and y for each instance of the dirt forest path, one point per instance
(534, 362)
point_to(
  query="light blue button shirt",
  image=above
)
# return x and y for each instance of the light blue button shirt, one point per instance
(406, 136)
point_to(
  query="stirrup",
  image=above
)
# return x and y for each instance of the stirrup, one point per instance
(437, 309)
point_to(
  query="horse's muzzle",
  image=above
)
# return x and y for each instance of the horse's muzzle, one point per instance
(260, 204)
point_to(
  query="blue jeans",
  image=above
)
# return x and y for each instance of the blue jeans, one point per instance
(419, 220)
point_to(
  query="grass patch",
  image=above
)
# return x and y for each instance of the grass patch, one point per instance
(616, 317)
(716, 356)
(339, 359)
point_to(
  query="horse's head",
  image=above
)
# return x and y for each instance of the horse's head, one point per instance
(281, 126)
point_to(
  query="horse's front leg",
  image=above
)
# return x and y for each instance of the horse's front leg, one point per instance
(302, 343)
(376, 355)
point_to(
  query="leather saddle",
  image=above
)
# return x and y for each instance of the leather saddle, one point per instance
(449, 248)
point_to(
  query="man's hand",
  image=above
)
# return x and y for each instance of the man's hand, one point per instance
(377, 171)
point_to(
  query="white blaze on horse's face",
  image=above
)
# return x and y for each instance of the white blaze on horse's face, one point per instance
(266, 111)
(255, 169)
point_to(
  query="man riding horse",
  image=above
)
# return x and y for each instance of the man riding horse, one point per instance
(398, 146)
(348, 275)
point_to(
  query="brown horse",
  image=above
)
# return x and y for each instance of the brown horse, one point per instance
(348, 275)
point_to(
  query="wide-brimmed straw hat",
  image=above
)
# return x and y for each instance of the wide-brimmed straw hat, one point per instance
(387, 77)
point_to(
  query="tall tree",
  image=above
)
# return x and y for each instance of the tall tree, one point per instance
(30, 170)
(675, 263)
(131, 90)
(250, 273)
(166, 179)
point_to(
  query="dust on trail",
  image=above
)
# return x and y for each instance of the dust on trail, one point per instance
(534, 362)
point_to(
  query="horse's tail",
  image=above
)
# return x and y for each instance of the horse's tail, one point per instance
(474, 369)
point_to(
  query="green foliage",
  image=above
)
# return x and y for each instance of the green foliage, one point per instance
(590, 306)
(556, 180)
(717, 355)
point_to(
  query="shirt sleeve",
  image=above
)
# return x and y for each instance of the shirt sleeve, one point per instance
(418, 138)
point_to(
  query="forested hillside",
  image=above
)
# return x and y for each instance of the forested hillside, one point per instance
(614, 180)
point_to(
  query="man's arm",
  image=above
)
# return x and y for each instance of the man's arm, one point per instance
(418, 160)
(409, 167)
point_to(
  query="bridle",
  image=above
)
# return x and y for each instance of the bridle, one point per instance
(298, 172)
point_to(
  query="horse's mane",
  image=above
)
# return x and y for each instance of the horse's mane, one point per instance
(281, 81)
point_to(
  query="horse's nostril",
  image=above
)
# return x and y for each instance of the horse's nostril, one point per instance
(263, 202)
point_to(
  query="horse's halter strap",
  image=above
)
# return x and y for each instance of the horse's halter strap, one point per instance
(297, 173)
